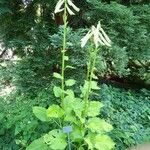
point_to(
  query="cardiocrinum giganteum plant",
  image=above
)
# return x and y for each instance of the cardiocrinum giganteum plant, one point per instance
(76, 118)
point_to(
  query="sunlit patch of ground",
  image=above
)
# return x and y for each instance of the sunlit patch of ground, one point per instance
(5, 91)
(141, 147)
(5, 59)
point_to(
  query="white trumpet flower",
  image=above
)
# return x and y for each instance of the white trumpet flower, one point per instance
(60, 4)
(99, 36)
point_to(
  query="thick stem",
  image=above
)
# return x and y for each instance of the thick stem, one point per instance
(89, 66)
(63, 52)
(90, 80)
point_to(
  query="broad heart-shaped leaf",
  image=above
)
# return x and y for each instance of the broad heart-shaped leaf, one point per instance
(78, 108)
(70, 117)
(54, 111)
(40, 113)
(38, 144)
(77, 134)
(68, 103)
(94, 85)
(57, 75)
(68, 108)
(56, 140)
(99, 125)
(73, 106)
(94, 108)
(103, 142)
(89, 139)
(57, 91)
(70, 82)
(70, 93)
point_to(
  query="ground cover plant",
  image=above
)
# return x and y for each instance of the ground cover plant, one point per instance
(128, 112)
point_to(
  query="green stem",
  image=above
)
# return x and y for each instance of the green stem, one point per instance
(90, 80)
(63, 52)
(59, 125)
(89, 66)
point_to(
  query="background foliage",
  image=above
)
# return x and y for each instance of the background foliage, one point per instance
(28, 32)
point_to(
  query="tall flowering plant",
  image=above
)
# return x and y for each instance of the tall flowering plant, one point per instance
(76, 118)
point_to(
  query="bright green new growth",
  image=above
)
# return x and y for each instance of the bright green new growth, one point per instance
(88, 131)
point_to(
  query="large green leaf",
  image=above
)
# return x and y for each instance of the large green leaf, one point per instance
(70, 93)
(89, 139)
(57, 91)
(38, 144)
(77, 134)
(56, 140)
(70, 82)
(69, 109)
(54, 111)
(68, 102)
(94, 108)
(40, 113)
(57, 75)
(73, 108)
(70, 117)
(94, 85)
(99, 125)
(103, 142)
(78, 108)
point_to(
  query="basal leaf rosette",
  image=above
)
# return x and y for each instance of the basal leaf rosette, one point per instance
(56, 140)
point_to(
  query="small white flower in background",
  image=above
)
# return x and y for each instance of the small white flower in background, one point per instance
(26, 2)
(99, 36)
(60, 7)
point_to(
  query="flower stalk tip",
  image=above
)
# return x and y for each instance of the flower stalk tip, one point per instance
(99, 36)
(59, 7)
